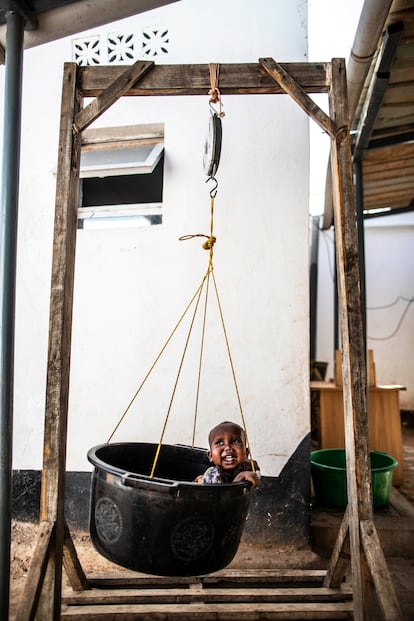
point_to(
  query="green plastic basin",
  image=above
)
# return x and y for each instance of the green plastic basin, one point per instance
(328, 467)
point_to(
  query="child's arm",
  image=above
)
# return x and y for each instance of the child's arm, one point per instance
(248, 475)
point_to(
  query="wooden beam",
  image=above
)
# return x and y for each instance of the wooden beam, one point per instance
(353, 358)
(72, 564)
(204, 611)
(234, 79)
(35, 577)
(111, 94)
(379, 571)
(340, 556)
(60, 332)
(292, 88)
(211, 595)
(354, 372)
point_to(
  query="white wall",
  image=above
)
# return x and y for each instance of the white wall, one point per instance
(389, 288)
(132, 284)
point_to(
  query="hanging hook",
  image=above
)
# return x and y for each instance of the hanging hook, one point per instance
(213, 191)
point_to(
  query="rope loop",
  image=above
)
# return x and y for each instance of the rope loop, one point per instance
(208, 245)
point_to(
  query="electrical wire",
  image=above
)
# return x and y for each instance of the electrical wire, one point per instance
(397, 299)
(403, 314)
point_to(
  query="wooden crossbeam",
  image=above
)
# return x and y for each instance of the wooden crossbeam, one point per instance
(231, 577)
(228, 594)
(208, 612)
(212, 595)
(234, 79)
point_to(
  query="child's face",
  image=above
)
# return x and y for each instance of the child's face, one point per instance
(227, 447)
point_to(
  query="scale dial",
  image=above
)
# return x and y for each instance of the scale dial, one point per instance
(213, 146)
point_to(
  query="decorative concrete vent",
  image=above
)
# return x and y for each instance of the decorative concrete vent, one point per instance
(117, 48)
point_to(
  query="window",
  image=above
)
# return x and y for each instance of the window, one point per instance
(121, 171)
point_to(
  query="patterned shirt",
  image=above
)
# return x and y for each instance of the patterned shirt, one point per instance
(215, 474)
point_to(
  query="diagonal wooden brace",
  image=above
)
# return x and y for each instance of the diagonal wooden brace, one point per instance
(110, 95)
(43, 550)
(34, 582)
(292, 88)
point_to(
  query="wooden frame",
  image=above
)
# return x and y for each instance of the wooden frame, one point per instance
(357, 540)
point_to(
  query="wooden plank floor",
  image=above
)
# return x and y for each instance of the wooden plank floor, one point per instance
(232, 595)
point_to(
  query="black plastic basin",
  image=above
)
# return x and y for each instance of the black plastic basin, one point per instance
(166, 525)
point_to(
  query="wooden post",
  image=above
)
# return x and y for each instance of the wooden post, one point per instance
(354, 373)
(359, 511)
(60, 331)
(353, 358)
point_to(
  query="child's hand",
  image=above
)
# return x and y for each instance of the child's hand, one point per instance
(248, 475)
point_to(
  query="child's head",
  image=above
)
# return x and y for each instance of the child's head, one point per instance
(227, 445)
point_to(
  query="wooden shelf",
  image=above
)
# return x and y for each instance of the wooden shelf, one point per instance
(384, 420)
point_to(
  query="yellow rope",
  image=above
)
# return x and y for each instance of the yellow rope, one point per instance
(198, 292)
(207, 245)
(233, 371)
(200, 362)
(176, 382)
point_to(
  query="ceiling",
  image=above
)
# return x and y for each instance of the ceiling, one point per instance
(48, 20)
(384, 119)
(30, 8)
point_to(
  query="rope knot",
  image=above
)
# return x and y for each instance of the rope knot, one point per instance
(215, 96)
(209, 243)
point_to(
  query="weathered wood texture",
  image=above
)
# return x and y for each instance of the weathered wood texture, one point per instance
(111, 94)
(209, 612)
(350, 315)
(72, 564)
(60, 332)
(293, 88)
(340, 556)
(229, 594)
(230, 577)
(354, 372)
(234, 79)
(379, 571)
(388, 176)
(32, 587)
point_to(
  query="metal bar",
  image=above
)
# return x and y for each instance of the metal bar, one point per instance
(359, 202)
(8, 250)
(377, 89)
(313, 285)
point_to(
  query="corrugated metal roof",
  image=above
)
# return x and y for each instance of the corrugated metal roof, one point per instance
(388, 162)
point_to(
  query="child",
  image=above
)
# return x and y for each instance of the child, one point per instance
(229, 455)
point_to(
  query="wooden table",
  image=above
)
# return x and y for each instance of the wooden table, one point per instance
(384, 420)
